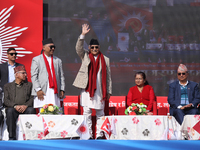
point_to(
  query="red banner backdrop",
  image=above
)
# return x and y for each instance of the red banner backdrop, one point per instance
(21, 24)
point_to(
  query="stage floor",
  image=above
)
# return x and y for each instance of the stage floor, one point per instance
(98, 145)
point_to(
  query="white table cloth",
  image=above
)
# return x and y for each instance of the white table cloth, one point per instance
(187, 127)
(144, 127)
(59, 126)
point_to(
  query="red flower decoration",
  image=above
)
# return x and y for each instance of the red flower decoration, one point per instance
(158, 122)
(63, 134)
(132, 113)
(134, 107)
(50, 104)
(51, 124)
(40, 135)
(188, 129)
(135, 120)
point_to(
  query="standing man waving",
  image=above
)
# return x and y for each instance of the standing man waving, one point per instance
(94, 78)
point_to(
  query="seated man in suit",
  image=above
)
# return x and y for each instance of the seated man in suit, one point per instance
(17, 99)
(7, 74)
(183, 95)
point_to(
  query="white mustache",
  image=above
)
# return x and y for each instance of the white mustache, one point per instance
(94, 50)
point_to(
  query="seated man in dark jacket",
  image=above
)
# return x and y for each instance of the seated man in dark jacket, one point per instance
(17, 99)
(183, 95)
(7, 74)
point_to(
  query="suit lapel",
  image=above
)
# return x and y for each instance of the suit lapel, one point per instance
(55, 64)
(87, 59)
(6, 70)
(13, 90)
(43, 65)
(188, 91)
(25, 87)
(179, 91)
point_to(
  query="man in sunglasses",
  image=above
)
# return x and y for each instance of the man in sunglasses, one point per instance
(7, 73)
(94, 78)
(47, 77)
(183, 95)
(17, 99)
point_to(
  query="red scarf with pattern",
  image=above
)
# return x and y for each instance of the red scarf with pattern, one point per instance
(93, 70)
(52, 79)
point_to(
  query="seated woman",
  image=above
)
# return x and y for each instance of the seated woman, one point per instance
(141, 93)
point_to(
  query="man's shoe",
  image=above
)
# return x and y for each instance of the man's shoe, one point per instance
(90, 138)
(100, 138)
(12, 138)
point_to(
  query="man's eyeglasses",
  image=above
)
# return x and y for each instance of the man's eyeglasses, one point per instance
(52, 46)
(181, 73)
(11, 54)
(23, 72)
(92, 47)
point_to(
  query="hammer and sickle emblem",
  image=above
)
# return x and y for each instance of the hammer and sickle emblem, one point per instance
(135, 24)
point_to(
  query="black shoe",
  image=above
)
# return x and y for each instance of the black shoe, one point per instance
(12, 138)
(90, 138)
(100, 138)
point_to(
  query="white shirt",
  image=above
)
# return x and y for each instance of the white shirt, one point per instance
(11, 74)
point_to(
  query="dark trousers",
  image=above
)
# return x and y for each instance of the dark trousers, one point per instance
(179, 113)
(11, 118)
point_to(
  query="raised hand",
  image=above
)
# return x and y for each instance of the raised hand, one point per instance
(85, 29)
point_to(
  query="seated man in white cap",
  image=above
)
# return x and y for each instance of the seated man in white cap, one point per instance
(183, 95)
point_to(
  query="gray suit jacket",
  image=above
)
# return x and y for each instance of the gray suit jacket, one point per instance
(81, 80)
(9, 94)
(39, 74)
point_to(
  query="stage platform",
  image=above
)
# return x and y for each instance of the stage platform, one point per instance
(98, 145)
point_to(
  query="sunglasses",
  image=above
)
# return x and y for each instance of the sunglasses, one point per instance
(92, 47)
(23, 72)
(11, 54)
(181, 73)
(52, 46)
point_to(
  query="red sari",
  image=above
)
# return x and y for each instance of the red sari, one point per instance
(146, 97)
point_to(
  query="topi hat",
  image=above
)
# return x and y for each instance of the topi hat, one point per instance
(94, 42)
(47, 41)
(19, 68)
(182, 67)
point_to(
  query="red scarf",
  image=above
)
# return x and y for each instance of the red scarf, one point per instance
(93, 70)
(52, 80)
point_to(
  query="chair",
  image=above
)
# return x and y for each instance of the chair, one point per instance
(112, 110)
(162, 110)
(72, 111)
(121, 111)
